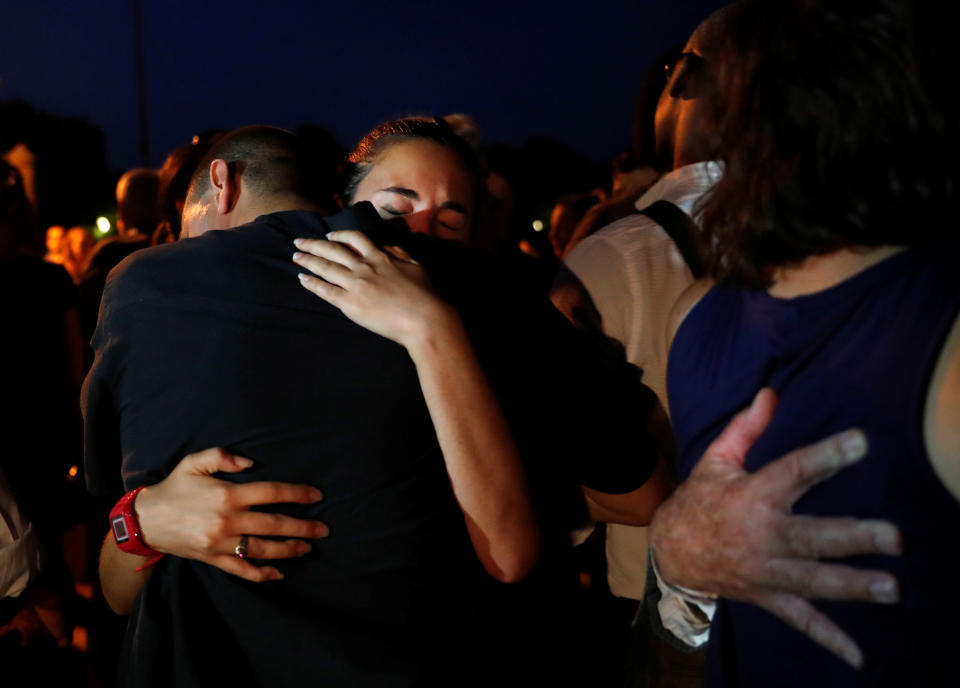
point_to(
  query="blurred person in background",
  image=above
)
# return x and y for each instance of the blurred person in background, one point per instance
(636, 170)
(620, 282)
(56, 246)
(173, 180)
(499, 205)
(567, 214)
(40, 369)
(138, 214)
(79, 243)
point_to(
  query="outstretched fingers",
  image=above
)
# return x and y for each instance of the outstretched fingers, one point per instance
(251, 494)
(278, 525)
(805, 618)
(814, 579)
(814, 537)
(730, 448)
(790, 476)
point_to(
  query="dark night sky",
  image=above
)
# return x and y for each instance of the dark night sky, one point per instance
(565, 70)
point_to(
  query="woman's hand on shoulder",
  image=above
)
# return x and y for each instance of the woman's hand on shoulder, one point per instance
(383, 290)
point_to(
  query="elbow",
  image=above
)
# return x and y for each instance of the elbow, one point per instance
(514, 561)
(513, 576)
(515, 568)
(509, 551)
(120, 605)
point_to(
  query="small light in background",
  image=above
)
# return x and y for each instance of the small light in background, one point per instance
(537, 226)
(72, 473)
(103, 225)
(80, 640)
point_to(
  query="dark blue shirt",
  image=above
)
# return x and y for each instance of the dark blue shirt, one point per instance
(859, 354)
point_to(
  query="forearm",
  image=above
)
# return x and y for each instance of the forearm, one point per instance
(388, 293)
(119, 579)
(481, 458)
(635, 508)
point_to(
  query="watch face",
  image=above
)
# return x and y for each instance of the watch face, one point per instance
(119, 526)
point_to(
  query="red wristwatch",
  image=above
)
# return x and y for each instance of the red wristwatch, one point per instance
(126, 530)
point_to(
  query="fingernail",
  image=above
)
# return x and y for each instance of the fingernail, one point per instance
(317, 495)
(853, 444)
(887, 541)
(885, 592)
(854, 657)
(305, 549)
(243, 461)
(325, 532)
(277, 575)
(297, 255)
(328, 235)
(297, 242)
(302, 277)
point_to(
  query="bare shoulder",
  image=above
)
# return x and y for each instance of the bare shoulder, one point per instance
(688, 298)
(942, 414)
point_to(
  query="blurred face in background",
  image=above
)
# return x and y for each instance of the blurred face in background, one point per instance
(426, 184)
(54, 239)
(79, 242)
(683, 134)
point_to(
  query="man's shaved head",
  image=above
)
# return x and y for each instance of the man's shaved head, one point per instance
(250, 172)
(271, 161)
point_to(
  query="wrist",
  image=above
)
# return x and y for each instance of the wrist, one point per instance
(143, 506)
(126, 528)
(429, 333)
(689, 594)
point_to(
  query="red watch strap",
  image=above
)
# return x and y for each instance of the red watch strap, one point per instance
(126, 529)
(151, 562)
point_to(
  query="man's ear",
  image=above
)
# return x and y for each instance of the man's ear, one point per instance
(225, 185)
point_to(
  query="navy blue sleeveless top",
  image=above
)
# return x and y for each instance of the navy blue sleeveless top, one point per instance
(859, 354)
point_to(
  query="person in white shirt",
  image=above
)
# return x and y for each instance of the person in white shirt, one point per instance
(19, 549)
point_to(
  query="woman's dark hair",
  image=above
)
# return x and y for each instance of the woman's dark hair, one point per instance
(434, 129)
(829, 137)
(176, 173)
